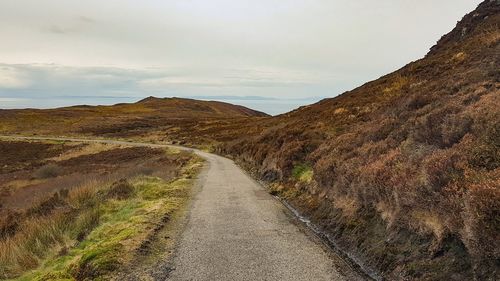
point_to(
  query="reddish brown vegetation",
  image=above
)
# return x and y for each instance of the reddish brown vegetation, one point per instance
(15, 155)
(122, 120)
(121, 189)
(413, 156)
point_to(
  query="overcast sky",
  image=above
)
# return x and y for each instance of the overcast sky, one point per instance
(61, 52)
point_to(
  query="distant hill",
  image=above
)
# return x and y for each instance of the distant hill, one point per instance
(189, 107)
(129, 119)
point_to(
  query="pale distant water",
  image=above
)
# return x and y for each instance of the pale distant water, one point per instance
(50, 102)
(269, 106)
(272, 106)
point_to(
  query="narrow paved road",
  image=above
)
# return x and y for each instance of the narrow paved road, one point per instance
(237, 231)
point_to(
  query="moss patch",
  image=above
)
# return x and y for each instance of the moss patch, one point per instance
(303, 173)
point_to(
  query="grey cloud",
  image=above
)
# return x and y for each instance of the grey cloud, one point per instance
(86, 19)
(74, 26)
(51, 79)
(60, 30)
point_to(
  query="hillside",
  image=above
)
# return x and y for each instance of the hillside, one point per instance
(402, 171)
(133, 119)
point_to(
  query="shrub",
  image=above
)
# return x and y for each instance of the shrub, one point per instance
(85, 223)
(454, 128)
(303, 173)
(145, 170)
(84, 197)
(97, 262)
(398, 83)
(31, 242)
(9, 224)
(48, 171)
(43, 228)
(46, 206)
(486, 152)
(429, 128)
(121, 189)
(481, 221)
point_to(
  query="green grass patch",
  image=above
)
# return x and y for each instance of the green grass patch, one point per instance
(303, 173)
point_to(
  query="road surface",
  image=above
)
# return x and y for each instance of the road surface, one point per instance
(237, 231)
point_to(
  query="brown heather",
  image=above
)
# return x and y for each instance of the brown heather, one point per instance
(406, 168)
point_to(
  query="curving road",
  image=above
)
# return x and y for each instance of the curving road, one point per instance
(237, 231)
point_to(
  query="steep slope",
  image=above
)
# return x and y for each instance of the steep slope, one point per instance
(122, 120)
(404, 171)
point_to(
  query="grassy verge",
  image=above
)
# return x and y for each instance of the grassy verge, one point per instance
(92, 231)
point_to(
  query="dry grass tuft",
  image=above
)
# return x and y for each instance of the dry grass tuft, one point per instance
(398, 83)
(120, 190)
(428, 222)
(50, 170)
(47, 227)
(491, 35)
(387, 213)
(87, 149)
(349, 206)
(30, 244)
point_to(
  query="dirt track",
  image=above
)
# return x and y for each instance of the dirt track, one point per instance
(237, 231)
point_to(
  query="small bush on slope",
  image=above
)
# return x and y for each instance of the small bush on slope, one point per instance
(302, 172)
(47, 171)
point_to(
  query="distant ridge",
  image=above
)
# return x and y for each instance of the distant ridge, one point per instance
(119, 119)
